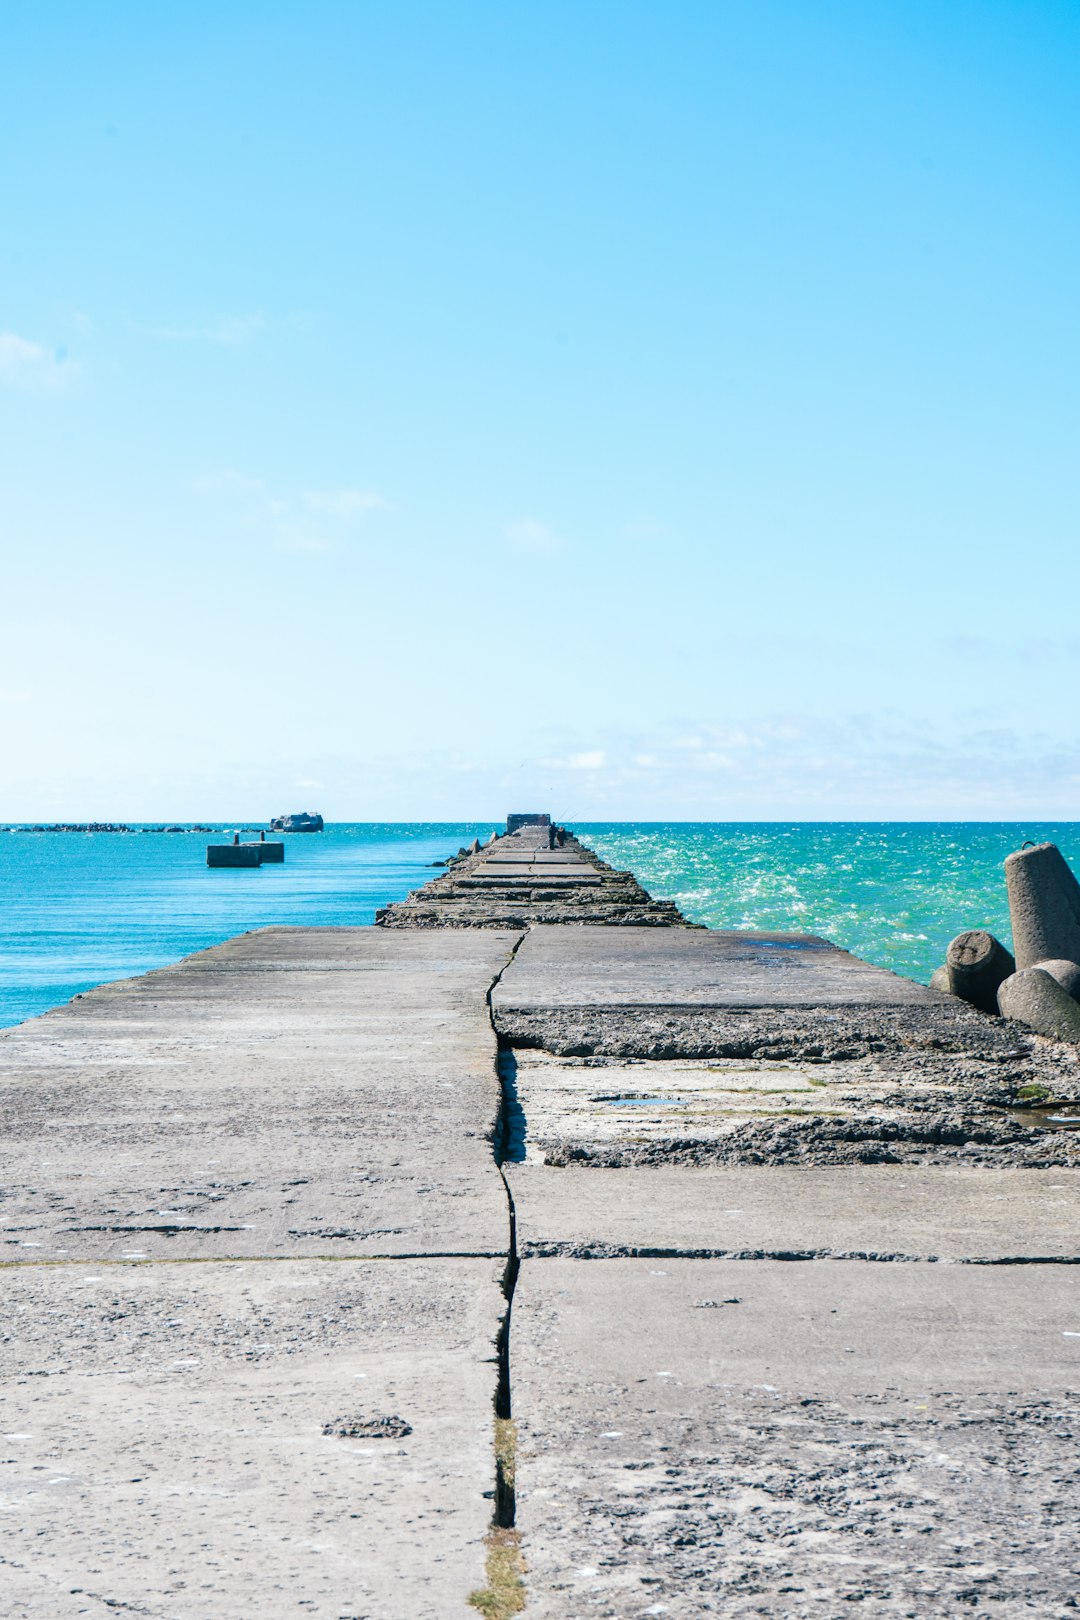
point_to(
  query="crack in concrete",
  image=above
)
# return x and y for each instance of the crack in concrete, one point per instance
(505, 1130)
(540, 1250)
(260, 1259)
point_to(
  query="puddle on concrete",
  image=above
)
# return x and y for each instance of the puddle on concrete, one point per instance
(1057, 1116)
(643, 1102)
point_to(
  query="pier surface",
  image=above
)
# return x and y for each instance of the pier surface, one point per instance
(728, 1244)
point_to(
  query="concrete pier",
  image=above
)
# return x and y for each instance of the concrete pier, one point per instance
(520, 881)
(371, 1271)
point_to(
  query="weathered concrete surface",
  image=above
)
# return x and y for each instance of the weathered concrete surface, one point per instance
(293, 1091)
(910, 1107)
(519, 881)
(886, 1211)
(769, 1439)
(164, 1454)
(591, 966)
(635, 992)
(293, 1094)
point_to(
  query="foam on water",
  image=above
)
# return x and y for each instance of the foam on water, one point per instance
(892, 892)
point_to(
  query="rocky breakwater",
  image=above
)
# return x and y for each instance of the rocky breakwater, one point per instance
(537, 874)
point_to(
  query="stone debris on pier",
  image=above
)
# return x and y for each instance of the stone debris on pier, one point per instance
(793, 1321)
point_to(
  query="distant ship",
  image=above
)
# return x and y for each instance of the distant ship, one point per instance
(301, 821)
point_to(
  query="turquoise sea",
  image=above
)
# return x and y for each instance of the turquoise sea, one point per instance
(77, 909)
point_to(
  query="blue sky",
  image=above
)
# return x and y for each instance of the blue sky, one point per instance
(636, 410)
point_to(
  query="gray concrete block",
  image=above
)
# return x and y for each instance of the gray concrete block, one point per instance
(977, 964)
(270, 850)
(918, 1212)
(172, 1449)
(252, 1101)
(651, 967)
(761, 1439)
(1044, 905)
(941, 982)
(1034, 998)
(297, 1116)
(1067, 975)
(232, 855)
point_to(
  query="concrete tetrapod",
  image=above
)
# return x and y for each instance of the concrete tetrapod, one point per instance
(1034, 998)
(1067, 975)
(976, 964)
(1044, 905)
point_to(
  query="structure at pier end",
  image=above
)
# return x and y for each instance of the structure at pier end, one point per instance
(536, 1247)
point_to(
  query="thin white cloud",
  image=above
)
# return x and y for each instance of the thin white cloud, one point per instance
(311, 520)
(344, 503)
(593, 760)
(29, 365)
(807, 767)
(227, 330)
(529, 534)
(228, 482)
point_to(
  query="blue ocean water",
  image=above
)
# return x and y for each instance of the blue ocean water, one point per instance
(892, 892)
(77, 909)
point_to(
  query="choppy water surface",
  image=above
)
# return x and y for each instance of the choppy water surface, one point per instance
(893, 892)
(77, 909)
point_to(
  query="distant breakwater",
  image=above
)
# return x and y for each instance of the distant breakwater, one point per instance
(99, 827)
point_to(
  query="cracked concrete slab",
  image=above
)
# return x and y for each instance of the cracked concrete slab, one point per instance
(191, 1436)
(646, 967)
(163, 1444)
(300, 1091)
(981, 1215)
(664, 993)
(710, 1437)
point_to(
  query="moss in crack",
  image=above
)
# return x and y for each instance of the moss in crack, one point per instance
(506, 1452)
(504, 1594)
